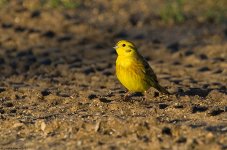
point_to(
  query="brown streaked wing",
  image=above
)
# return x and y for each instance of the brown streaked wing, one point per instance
(148, 70)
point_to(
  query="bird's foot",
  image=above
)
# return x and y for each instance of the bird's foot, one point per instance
(127, 96)
(145, 96)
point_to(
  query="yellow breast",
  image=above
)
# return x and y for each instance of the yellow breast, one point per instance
(130, 74)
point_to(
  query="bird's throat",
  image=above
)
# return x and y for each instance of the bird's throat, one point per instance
(124, 61)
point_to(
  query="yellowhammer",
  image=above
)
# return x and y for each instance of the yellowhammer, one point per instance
(133, 71)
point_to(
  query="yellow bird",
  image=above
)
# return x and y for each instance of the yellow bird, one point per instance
(133, 71)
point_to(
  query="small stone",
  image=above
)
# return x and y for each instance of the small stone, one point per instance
(210, 135)
(19, 29)
(188, 53)
(203, 56)
(35, 14)
(92, 96)
(64, 38)
(182, 140)
(2, 111)
(174, 47)
(167, 131)
(216, 112)
(203, 69)
(104, 100)
(162, 106)
(9, 104)
(13, 111)
(45, 61)
(17, 125)
(7, 25)
(196, 109)
(49, 34)
(43, 126)
(45, 92)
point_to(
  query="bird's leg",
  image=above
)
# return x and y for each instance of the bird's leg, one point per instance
(127, 96)
(145, 95)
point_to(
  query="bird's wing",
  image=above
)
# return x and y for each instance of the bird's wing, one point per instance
(150, 76)
(148, 70)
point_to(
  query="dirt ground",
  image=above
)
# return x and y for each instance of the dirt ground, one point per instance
(58, 88)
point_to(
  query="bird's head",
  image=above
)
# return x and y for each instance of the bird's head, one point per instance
(125, 48)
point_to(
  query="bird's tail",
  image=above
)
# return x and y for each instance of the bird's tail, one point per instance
(161, 89)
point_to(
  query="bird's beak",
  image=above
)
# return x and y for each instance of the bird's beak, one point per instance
(115, 47)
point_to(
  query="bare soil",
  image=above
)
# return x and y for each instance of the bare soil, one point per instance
(58, 88)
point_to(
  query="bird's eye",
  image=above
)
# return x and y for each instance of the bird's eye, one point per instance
(123, 45)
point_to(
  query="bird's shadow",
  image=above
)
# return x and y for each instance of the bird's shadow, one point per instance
(201, 91)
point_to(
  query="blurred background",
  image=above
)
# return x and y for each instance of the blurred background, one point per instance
(168, 11)
(115, 17)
